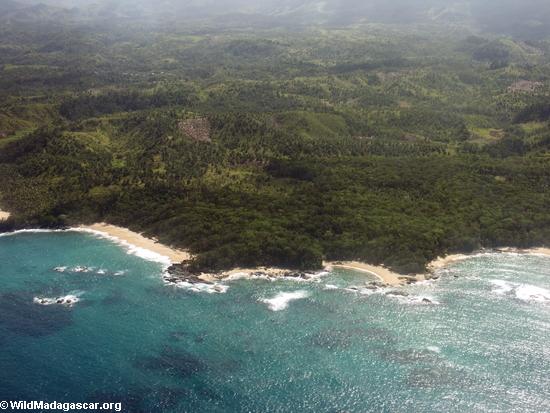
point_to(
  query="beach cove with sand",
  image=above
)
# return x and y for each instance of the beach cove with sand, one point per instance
(383, 274)
(262, 343)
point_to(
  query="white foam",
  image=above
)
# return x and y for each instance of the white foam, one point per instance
(202, 287)
(330, 287)
(365, 291)
(60, 269)
(502, 287)
(79, 269)
(415, 299)
(531, 293)
(121, 272)
(524, 292)
(67, 300)
(434, 349)
(315, 276)
(131, 249)
(30, 231)
(242, 275)
(281, 300)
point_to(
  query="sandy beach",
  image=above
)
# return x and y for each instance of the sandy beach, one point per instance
(382, 273)
(539, 250)
(442, 262)
(4, 215)
(175, 255)
(385, 275)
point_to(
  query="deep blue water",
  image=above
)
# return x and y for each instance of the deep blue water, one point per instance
(483, 345)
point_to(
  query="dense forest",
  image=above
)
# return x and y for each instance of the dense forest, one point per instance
(389, 144)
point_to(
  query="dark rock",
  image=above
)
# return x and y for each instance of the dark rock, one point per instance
(295, 274)
(427, 301)
(180, 273)
(398, 293)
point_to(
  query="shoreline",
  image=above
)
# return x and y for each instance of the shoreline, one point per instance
(390, 278)
(178, 273)
(382, 273)
(394, 279)
(443, 262)
(175, 255)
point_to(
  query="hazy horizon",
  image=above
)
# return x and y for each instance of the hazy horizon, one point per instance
(527, 19)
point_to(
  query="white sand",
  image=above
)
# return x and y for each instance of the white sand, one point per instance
(385, 275)
(442, 262)
(175, 255)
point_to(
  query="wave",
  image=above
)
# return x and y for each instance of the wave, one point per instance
(68, 300)
(131, 249)
(416, 299)
(523, 292)
(31, 231)
(266, 275)
(282, 300)
(502, 287)
(201, 287)
(532, 293)
(400, 295)
(84, 269)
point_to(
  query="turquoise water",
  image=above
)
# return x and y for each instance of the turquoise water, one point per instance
(482, 345)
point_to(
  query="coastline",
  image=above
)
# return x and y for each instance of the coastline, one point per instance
(442, 262)
(382, 273)
(177, 274)
(394, 279)
(175, 255)
(386, 276)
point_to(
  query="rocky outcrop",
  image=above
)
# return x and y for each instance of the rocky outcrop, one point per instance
(178, 273)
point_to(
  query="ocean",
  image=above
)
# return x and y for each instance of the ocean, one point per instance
(83, 319)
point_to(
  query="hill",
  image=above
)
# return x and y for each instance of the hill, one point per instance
(388, 144)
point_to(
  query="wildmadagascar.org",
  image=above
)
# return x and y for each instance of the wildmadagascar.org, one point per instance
(66, 407)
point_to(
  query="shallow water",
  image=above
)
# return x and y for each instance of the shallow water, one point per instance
(481, 344)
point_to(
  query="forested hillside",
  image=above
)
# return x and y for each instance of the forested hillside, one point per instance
(388, 144)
